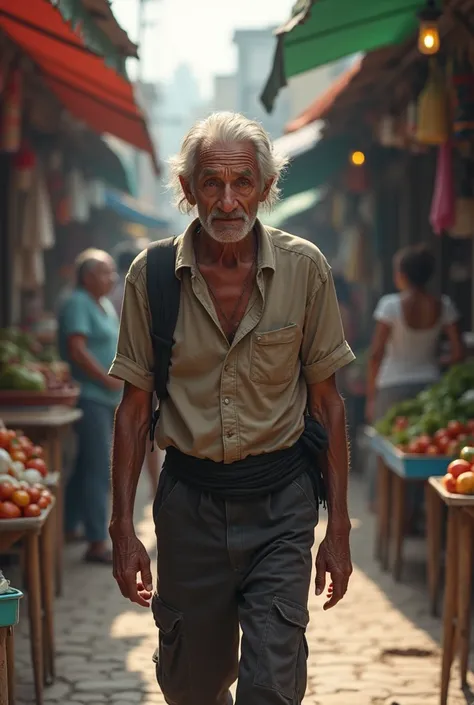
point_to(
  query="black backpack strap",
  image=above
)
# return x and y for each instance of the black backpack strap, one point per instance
(164, 291)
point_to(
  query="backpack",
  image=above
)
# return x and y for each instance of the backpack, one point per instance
(164, 292)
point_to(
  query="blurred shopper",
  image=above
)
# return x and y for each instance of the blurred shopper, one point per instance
(124, 258)
(409, 325)
(88, 332)
(258, 341)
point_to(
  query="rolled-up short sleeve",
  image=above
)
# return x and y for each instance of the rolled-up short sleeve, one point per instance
(449, 313)
(133, 362)
(324, 349)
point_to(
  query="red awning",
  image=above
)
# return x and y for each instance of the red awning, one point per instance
(90, 90)
(318, 109)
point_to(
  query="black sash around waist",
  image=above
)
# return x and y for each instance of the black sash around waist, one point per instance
(256, 475)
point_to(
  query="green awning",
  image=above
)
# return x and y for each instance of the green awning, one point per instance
(313, 161)
(322, 31)
(294, 205)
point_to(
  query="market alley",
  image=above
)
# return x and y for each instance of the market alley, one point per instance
(379, 646)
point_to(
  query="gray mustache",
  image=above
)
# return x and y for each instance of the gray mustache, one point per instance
(228, 216)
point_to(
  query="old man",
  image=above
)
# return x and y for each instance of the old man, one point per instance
(252, 406)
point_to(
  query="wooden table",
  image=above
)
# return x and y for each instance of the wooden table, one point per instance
(37, 538)
(395, 471)
(458, 576)
(7, 667)
(49, 424)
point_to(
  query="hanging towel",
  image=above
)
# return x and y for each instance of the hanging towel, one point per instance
(443, 208)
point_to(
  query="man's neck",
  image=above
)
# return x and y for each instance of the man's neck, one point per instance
(229, 254)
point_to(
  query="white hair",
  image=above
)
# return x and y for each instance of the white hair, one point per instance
(226, 127)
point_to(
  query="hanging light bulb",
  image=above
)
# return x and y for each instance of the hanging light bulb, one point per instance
(357, 158)
(428, 35)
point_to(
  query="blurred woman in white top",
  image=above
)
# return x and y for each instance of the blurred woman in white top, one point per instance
(405, 346)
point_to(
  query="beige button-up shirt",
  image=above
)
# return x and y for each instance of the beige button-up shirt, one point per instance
(227, 401)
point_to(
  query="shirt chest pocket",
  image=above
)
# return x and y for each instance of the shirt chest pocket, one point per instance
(274, 355)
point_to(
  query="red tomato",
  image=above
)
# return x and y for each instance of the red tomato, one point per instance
(43, 503)
(443, 442)
(453, 449)
(432, 450)
(440, 433)
(414, 448)
(47, 496)
(470, 426)
(36, 452)
(25, 443)
(455, 428)
(6, 490)
(457, 467)
(424, 443)
(18, 455)
(34, 493)
(8, 510)
(37, 464)
(4, 438)
(21, 498)
(449, 483)
(33, 510)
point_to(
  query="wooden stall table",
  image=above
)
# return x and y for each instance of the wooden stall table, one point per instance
(458, 576)
(49, 424)
(37, 538)
(9, 612)
(395, 471)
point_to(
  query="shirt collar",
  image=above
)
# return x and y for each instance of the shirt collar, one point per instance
(185, 251)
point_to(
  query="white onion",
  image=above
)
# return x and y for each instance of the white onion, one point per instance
(32, 476)
(5, 461)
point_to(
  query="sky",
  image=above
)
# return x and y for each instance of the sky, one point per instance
(196, 32)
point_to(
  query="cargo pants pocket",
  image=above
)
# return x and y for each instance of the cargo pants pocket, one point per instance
(283, 653)
(171, 659)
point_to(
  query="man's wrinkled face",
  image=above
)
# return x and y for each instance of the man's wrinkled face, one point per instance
(227, 190)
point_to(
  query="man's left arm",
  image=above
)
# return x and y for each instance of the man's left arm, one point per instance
(325, 351)
(334, 556)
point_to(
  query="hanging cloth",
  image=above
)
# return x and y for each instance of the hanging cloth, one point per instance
(442, 216)
(433, 109)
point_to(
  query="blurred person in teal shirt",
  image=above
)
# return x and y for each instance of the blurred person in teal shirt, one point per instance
(88, 333)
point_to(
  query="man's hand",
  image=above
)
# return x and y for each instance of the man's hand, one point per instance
(334, 557)
(130, 558)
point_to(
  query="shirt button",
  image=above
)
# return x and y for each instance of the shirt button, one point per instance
(226, 367)
(226, 401)
(230, 434)
(259, 337)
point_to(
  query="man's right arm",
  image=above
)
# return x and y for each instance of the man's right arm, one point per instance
(133, 364)
(132, 421)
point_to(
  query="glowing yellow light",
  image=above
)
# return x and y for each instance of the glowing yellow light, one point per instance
(358, 158)
(428, 38)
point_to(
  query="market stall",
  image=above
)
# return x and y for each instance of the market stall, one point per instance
(27, 525)
(418, 439)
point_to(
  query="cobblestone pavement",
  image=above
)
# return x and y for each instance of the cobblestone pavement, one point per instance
(378, 647)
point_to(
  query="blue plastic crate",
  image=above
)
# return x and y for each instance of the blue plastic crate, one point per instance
(10, 607)
(413, 467)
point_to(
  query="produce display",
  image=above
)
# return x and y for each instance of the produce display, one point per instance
(439, 421)
(460, 476)
(22, 474)
(26, 365)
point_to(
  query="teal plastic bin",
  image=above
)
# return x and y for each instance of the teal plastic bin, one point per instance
(10, 607)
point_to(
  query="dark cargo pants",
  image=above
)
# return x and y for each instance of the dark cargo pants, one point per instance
(224, 564)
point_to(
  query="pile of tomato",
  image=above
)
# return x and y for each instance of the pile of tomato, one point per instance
(446, 441)
(22, 467)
